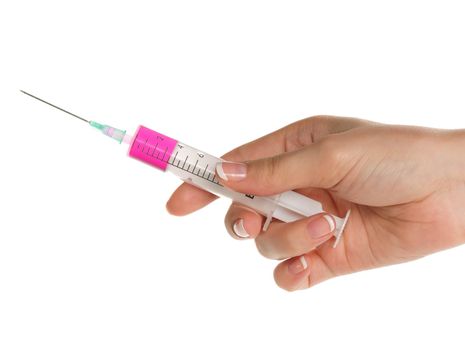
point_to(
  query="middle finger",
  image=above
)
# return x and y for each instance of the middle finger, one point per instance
(285, 240)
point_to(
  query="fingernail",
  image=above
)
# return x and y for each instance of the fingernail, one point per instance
(239, 229)
(230, 171)
(321, 227)
(298, 265)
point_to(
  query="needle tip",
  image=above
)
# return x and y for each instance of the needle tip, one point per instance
(61, 109)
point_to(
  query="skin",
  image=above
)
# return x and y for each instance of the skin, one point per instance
(405, 186)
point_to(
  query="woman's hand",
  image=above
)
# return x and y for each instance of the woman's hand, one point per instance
(405, 186)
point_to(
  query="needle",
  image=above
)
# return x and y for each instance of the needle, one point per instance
(61, 109)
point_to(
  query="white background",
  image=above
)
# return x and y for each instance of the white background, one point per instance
(90, 259)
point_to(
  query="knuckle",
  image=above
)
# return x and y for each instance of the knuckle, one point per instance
(261, 247)
(319, 119)
(264, 248)
(279, 245)
(291, 246)
(330, 151)
(271, 168)
(303, 132)
(267, 171)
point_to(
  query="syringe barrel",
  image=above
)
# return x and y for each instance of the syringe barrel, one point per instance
(198, 168)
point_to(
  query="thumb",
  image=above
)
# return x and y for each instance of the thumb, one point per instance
(320, 165)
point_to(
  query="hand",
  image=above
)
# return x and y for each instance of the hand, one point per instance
(405, 186)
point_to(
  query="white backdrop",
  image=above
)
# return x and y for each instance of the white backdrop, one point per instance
(90, 259)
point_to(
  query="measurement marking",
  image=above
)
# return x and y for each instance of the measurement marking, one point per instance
(154, 149)
(199, 172)
(145, 145)
(192, 172)
(195, 166)
(202, 173)
(164, 154)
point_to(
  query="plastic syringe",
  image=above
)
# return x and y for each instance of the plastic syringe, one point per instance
(198, 168)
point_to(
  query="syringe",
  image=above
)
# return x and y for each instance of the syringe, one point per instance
(198, 168)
